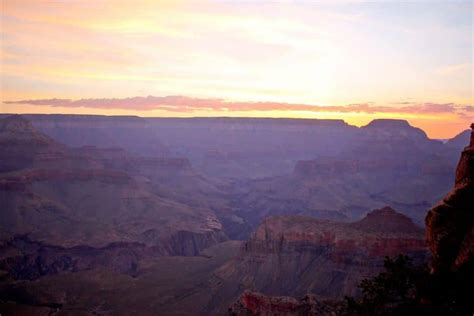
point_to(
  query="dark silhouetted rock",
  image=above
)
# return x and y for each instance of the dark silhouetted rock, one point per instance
(450, 224)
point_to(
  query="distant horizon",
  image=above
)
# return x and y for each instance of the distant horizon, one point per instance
(242, 118)
(343, 59)
(236, 157)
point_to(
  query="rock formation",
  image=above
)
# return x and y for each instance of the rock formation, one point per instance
(93, 197)
(381, 232)
(460, 140)
(296, 255)
(22, 146)
(74, 219)
(252, 303)
(449, 235)
(450, 224)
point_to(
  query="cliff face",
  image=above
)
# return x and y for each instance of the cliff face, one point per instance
(220, 147)
(129, 132)
(341, 170)
(95, 197)
(295, 255)
(384, 147)
(251, 303)
(459, 141)
(22, 146)
(382, 232)
(450, 224)
(23, 258)
(388, 162)
(383, 128)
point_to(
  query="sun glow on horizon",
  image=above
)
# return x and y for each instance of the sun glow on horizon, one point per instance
(323, 53)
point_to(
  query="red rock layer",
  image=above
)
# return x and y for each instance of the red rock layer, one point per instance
(381, 233)
(252, 303)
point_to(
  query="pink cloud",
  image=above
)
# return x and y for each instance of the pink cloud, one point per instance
(189, 104)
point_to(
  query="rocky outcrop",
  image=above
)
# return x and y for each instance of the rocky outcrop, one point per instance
(23, 258)
(391, 128)
(129, 132)
(382, 146)
(296, 255)
(250, 147)
(388, 221)
(450, 224)
(22, 146)
(17, 128)
(382, 232)
(253, 303)
(183, 243)
(460, 140)
(95, 197)
(351, 249)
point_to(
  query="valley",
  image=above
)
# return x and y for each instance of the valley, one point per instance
(183, 215)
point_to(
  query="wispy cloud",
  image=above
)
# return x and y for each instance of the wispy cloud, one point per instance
(454, 69)
(190, 104)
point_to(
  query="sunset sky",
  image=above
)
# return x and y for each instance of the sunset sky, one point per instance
(311, 59)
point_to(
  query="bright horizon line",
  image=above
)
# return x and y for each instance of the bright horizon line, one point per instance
(244, 117)
(350, 60)
(439, 120)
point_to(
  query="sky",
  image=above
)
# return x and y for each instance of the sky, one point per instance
(350, 60)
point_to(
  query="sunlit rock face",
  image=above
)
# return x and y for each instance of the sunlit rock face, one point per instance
(450, 224)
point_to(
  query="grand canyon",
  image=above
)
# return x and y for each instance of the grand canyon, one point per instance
(92, 214)
(236, 158)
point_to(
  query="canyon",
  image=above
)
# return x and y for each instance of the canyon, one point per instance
(449, 236)
(296, 255)
(184, 215)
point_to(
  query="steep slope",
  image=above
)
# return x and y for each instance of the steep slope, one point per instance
(22, 146)
(450, 237)
(218, 147)
(68, 197)
(450, 224)
(386, 220)
(459, 141)
(295, 255)
(389, 163)
(255, 168)
(96, 284)
(129, 132)
(391, 128)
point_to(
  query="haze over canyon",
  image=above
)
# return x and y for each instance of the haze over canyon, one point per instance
(182, 215)
(239, 158)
